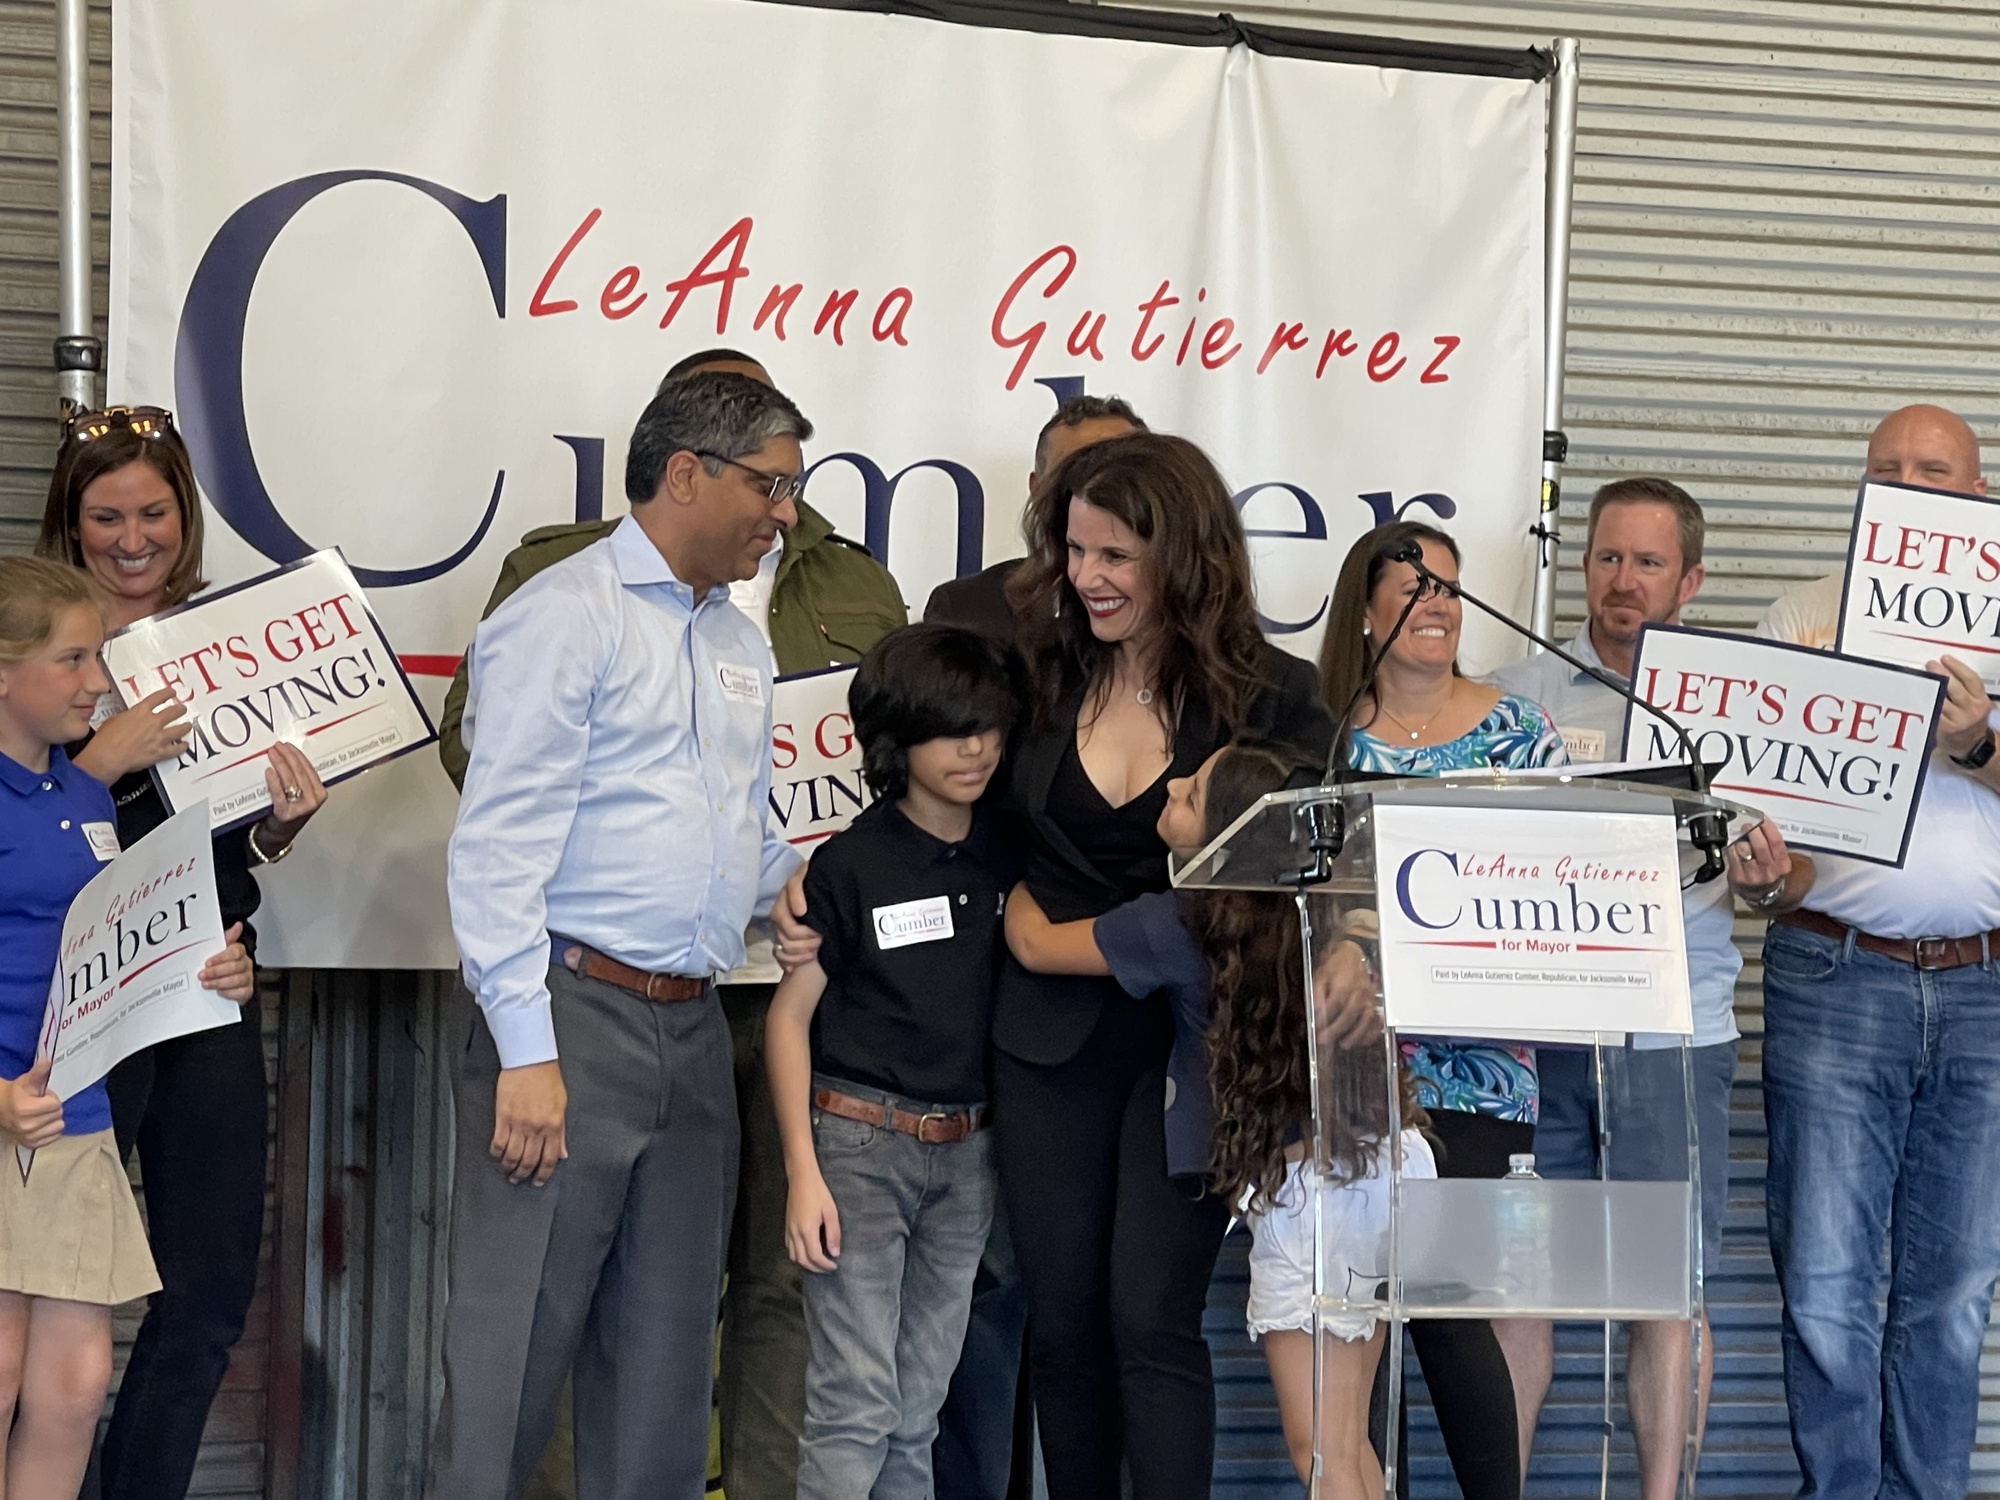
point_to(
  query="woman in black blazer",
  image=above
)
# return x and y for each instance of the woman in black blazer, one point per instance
(1140, 630)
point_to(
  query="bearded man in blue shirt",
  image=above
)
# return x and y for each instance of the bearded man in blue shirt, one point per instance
(611, 846)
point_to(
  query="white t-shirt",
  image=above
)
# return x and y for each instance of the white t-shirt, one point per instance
(1949, 885)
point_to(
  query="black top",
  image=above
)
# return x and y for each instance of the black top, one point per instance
(1122, 842)
(911, 948)
(1075, 873)
(141, 810)
(978, 603)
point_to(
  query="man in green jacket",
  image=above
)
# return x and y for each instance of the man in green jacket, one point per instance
(822, 600)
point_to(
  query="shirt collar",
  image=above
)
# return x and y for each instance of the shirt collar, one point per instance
(935, 848)
(17, 776)
(1583, 650)
(640, 563)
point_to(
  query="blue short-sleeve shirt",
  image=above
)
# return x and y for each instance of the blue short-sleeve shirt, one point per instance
(48, 822)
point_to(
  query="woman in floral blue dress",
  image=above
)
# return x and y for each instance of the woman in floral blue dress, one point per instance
(1423, 717)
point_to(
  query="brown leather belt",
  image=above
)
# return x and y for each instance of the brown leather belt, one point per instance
(1920, 953)
(935, 1129)
(662, 989)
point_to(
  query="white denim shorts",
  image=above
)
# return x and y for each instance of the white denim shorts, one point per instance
(1355, 1227)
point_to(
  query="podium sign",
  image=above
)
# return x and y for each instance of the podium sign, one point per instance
(1550, 925)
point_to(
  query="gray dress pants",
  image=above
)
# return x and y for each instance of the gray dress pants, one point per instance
(613, 1269)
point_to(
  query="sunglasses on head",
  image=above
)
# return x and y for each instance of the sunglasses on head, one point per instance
(147, 422)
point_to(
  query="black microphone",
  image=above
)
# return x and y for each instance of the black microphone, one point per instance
(1707, 831)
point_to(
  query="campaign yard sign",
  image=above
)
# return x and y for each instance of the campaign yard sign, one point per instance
(816, 782)
(133, 945)
(1532, 926)
(294, 656)
(1833, 749)
(1923, 579)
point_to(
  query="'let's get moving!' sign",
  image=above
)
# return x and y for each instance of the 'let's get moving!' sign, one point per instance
(295, 657)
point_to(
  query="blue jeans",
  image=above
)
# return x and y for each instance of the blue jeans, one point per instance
(887, 1325)
(1882, 1095)
(973, 1457)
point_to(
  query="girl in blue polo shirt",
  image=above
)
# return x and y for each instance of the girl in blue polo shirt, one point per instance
(71, 1244)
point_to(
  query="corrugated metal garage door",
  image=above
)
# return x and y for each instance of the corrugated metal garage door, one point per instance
(232, 1458)
(1787, 223)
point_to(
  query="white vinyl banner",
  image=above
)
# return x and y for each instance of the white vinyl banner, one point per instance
(1530, 926)
(409, 272)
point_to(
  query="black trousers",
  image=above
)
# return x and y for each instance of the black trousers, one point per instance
(1472, 1391)
(195, 1108)
(1116, 1257)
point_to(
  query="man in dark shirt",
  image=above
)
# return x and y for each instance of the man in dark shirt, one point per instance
(980, 602)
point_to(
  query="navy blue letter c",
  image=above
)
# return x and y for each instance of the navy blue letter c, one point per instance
(208, 359)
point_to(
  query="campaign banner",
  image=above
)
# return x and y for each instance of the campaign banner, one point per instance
(1831, 749)
(816, 783)
(133, 946)
(294, 657)
(408, 273)
(1923, 579)
(1530, 925)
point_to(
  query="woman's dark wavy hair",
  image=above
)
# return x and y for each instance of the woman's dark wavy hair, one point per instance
(1344, 652)
(927, 682)
(1258, 1069)
(80, 463)
(1197, 563)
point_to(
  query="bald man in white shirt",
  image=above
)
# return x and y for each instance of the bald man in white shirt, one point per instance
(1882, 1084)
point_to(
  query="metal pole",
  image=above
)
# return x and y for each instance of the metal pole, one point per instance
(1555, 302)
(79, 354)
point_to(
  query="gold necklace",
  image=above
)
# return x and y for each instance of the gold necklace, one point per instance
(1413, 733)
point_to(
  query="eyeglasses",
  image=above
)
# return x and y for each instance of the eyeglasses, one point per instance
(148, 422)
(776, 488)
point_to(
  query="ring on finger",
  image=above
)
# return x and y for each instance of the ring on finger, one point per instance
(293, 794)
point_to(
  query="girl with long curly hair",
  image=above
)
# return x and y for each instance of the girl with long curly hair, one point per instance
(1230, 965)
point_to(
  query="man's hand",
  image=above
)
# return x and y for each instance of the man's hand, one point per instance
(810, 1214)
(1962, 717)
(1344, 996)
(794, 943)
(1760, 870)
(28, 1111)
(528, 1108)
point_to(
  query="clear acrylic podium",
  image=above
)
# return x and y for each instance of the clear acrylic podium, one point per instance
(1597, 1250)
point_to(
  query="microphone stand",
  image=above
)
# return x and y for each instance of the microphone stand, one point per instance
(1707, 831)
(1326, 822)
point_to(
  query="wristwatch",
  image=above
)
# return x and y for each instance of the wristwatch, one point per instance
(1976, 758)
(1769, 898)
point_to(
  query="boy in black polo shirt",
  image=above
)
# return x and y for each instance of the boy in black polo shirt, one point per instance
(877, 1055)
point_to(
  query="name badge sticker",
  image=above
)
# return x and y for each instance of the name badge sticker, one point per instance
(1583, 744)
(103, 840)
(926, 921)
(741, 682)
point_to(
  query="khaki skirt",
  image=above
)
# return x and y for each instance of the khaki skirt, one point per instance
(72, 1230)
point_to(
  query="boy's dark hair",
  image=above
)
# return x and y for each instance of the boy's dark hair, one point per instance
(927, 682)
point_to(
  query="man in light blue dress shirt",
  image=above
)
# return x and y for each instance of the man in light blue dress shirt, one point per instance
(611, 846)
(1642, 563)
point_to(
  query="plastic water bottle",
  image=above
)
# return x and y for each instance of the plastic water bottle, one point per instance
(1524, 1229)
